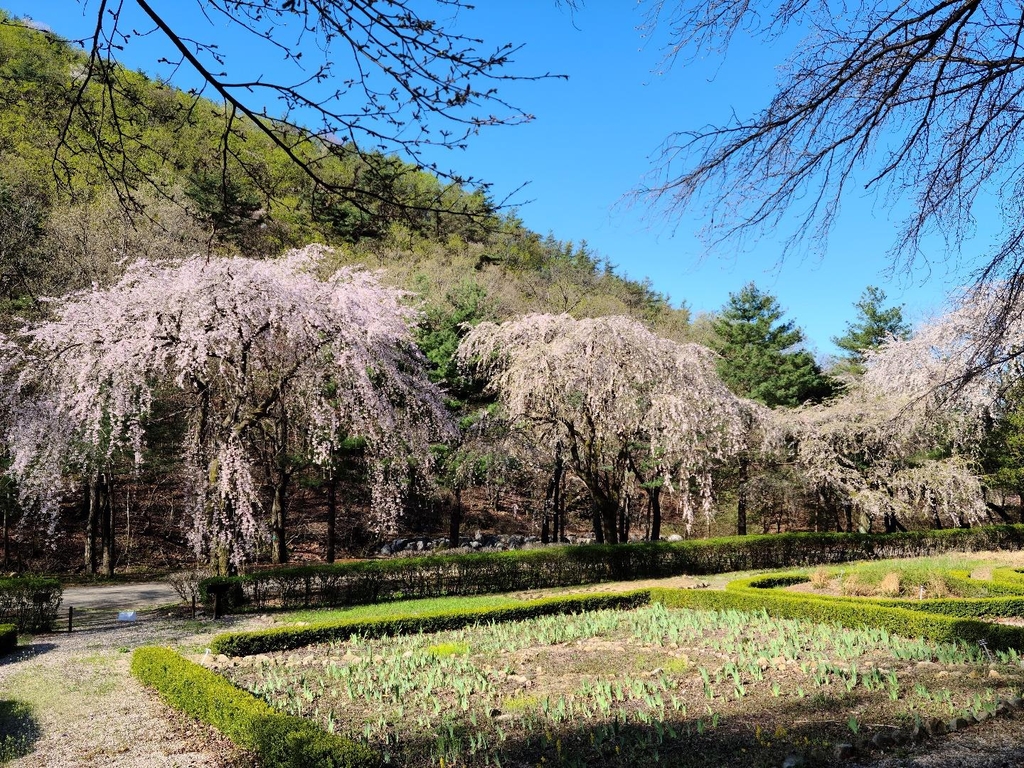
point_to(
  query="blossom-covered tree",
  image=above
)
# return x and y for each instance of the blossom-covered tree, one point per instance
(252, 347)
(613, 398)
(882, 459)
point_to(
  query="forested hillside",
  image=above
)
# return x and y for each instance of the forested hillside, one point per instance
(74, 219)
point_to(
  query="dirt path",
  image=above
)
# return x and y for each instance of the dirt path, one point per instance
(87, 708)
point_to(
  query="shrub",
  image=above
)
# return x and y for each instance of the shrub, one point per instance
(378, 581)
(285, 638)
(30, 603)
(8, 638)
(279, 741)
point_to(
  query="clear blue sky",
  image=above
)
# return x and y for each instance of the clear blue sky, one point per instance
(593, 139)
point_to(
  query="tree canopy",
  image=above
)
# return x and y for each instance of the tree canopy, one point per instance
(874, 325)
(248, 346)
(759, 352)
(617, 397)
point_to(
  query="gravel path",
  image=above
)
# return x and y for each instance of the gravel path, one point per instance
(91, 712)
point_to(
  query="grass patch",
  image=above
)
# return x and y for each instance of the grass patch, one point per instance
(403, 607)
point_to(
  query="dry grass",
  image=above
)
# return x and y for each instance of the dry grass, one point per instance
(820, 578)
(890, 585)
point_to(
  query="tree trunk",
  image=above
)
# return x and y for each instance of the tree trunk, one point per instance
(92, 517)
(278, 507)
(654, 502)
(455, 521)
(624, 521)
(106, 514)
(608, 510)
(595, 511)
(332, 515)
(741, 496)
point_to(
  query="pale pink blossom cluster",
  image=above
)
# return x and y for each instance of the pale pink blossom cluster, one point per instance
(618, 397)
(241, 342)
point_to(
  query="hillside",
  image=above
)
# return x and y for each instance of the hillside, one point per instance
(147, 171)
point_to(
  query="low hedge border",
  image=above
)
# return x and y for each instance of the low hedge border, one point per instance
(30, 602)
(946, 620)
(960, 607)
(278, 740)
(376, 581)
(8, 638)
(286, 638)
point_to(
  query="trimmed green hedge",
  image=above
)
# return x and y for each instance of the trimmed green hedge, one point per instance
(946, 622)
(279, 741)
(961, 607)
(377, 581)
(285, 638)
(30, 603)
(8, 638)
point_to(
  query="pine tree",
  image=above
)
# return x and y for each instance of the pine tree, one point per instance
(760, 354)
(875, 324)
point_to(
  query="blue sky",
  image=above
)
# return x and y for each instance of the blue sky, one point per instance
(593, 139)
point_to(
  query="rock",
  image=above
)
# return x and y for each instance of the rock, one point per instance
(793, 761)
(844, 751)
(386, 550)
(1002, 709)
(475, 544)
(957, 724)
(675, 537)
(994, 674)
(936, 727)
(495, 712)
(883, 740)
(920, 732)
(982, 715)
(1015, 702)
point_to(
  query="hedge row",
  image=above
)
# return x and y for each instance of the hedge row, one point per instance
(8, 638)
(285, 638)
(961, 607)
(278, 740)
(379, 581)
(897, 620)
(30, 603)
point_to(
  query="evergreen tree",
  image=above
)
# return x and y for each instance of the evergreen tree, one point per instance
(760, 355)
(875, 324)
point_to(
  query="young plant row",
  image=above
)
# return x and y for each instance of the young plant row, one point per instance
(622, 688)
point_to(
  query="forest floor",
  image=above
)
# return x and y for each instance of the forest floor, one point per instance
(87, 710)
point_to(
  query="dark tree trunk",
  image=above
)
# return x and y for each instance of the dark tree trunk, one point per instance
(332, 515)
(849, 515)
(92, 519)
(106, 515)
(455, 521)
(654, 502)
(624, 522)
(609, 512)
(279, 504)
(596, 519)
(741, 496)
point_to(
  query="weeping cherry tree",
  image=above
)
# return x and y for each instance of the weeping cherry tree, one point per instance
(619, 402)
(251, 347)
